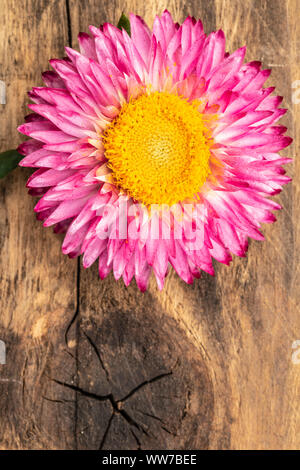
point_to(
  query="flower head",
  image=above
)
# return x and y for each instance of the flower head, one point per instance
(155, 148)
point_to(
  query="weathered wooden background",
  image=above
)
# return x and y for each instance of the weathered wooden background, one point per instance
(91, 364)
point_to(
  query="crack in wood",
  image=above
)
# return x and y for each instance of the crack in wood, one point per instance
(72, 356)
(103, 440)
(76, 313)
(139, 445)
(143, 384)
(168, 431)
(71, 323)
(117, 405)
(163, 425)
(97, 354)
(75, 388)
(132, 422)
(69, 22)
(150, 415)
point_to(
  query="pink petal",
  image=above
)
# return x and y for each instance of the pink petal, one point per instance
(140, 35)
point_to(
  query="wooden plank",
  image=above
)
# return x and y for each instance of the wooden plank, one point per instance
(258, 294)
(38, 283)
(242, 322)
(247, 317)
(202, 366)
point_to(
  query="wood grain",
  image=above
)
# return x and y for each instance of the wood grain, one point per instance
(91, 364)
(38, 284)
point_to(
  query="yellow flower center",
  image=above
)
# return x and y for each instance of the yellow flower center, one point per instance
(158, 149)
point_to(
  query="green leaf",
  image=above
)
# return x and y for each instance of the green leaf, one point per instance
(124, 24)
(9, 161)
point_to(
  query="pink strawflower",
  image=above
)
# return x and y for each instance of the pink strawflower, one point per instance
(154, 149)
